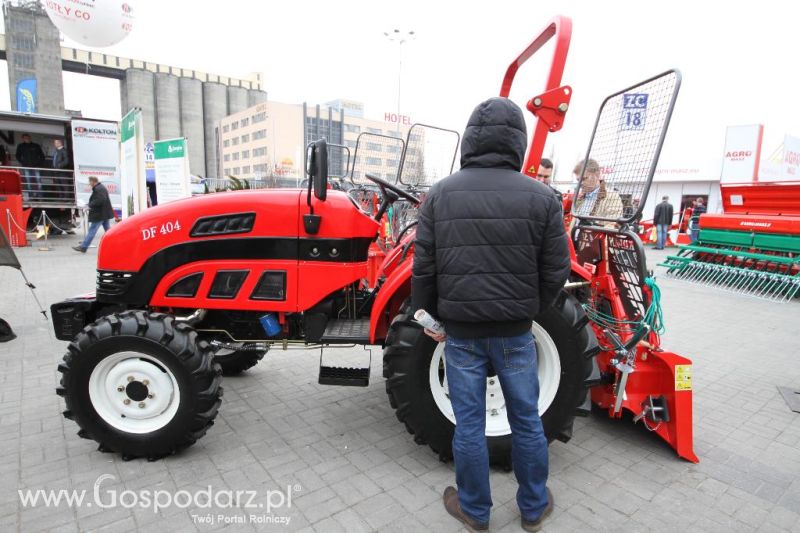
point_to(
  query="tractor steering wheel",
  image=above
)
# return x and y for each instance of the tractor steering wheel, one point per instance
(385, 185)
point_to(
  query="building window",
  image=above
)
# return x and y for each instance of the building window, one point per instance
(244, 122)
(259, 134)
(349, 143)
(374, 161)
(22, 43)
(375, 130)
(393, 148)
(375, 147)
(245, 138)
(22, 25)
(396, 134)
(391, 162)
(245, 154)
(260, 117)
(258, 152)
(234, 126)
(246, 170)
(352, 128)
(226, 128)
(235, 141)
(235, 170)
(227, 158)
(235, 156)
(23, 60)
(226, 143)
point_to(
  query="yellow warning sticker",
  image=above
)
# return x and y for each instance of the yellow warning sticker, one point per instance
(683, 377)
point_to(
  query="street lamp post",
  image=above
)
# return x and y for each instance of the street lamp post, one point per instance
(399, 37)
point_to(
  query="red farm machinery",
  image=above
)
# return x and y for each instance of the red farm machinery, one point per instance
(752, 247)
(202, 287)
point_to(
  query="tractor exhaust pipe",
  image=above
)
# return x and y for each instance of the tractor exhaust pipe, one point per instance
(194, 318)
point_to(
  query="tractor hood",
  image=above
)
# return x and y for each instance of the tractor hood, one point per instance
(246, 217)
(495, 137)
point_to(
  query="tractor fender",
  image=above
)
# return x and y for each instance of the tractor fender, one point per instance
(394, 290)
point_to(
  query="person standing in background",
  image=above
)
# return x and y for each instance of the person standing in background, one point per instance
(31, 158)
(698, 209)
(662, 218)
(60, 156)
(545, 175)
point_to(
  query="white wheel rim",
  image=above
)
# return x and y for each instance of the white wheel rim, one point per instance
(549, 372)
(134, 392)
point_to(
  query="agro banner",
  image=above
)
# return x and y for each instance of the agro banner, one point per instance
(95, 151)
(791, 158)
(742, 153)
(132, 170)
(172, 170)
(7, 255)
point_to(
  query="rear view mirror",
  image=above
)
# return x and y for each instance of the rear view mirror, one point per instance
(318, 169)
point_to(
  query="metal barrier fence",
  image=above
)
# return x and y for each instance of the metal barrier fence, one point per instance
(46, 187)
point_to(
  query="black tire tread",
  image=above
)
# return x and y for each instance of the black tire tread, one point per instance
(401, 342)
(178, 338)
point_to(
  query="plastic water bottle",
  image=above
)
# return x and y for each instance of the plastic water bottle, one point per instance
(428, 322)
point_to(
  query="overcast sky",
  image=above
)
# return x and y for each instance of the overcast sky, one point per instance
(738, 59)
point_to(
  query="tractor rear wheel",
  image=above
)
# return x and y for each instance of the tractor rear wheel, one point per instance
(236, 358)
(417, 389)
(140, 384)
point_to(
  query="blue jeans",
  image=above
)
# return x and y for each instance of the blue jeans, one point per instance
(93, 227)
(514, 361)
(31, 180)
(694, 230)
(661, 233)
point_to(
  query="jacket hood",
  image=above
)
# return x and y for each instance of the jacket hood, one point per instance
(495, 137)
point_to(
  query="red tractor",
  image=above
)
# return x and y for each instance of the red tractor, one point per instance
(202, 287)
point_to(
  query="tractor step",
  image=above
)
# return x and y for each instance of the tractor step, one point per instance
(344, 376)
(346, 331)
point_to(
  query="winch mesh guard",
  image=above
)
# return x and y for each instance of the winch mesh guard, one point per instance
(626, 263)
(625, 145)
(429, 156)
(377, 154)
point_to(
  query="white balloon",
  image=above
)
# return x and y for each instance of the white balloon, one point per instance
(98, 23)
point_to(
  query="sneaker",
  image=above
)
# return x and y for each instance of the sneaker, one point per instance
(536, 525)
(453, 507)
(79, 249)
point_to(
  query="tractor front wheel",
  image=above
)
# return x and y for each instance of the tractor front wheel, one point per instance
(417, 385)
(140, 384)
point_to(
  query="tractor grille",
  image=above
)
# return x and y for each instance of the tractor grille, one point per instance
(113, 283)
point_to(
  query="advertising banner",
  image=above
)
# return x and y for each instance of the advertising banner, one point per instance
(149, 163)
(95, 151)
(791, 158)
(132, 171)
(742, 153)
(172, 170)
(26, 95)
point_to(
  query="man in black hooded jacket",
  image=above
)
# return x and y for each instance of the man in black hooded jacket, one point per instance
(491, 253)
